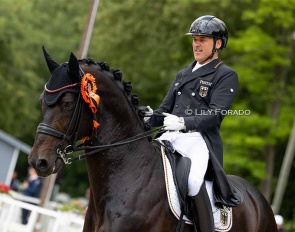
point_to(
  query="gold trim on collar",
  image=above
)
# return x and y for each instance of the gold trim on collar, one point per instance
(220, 62)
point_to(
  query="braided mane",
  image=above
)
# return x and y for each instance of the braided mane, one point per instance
(126, 87)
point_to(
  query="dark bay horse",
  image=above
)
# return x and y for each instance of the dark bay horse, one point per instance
(88, 101)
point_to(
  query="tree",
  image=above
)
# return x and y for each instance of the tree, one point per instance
(266, 52)
(145, 39)
(25, 26)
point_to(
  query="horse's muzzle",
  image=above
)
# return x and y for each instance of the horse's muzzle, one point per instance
(43, 166)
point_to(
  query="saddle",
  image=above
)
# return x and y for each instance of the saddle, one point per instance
(180, 169)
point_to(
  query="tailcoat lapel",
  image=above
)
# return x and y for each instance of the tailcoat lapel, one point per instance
(188, 75)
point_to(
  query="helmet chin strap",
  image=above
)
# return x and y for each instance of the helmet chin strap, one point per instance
(213, 50)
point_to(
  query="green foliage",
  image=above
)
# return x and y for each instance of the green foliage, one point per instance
(145, 39)
(24, 27)
(263, 53)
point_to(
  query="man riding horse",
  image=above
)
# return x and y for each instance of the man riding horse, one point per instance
(88, 101)
(195, 106)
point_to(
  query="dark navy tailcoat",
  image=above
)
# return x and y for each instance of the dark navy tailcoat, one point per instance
(203, 98)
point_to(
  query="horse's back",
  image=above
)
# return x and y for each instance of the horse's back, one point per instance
(255, 213)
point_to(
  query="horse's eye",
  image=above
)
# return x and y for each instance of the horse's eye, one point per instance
(68, 105)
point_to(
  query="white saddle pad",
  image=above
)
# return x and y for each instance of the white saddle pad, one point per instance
(221, 223)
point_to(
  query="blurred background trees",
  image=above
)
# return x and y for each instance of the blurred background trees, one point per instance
(145, 39)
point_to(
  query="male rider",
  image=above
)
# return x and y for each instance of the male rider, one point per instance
(194, 108)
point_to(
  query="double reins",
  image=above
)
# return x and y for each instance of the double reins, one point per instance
(99, 148)
(71, 138)
(62, 153)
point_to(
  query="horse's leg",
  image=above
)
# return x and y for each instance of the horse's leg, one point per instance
(255, 213)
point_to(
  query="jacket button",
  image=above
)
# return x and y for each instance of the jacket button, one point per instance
(193, 94)
(176, 106)
(178, 93)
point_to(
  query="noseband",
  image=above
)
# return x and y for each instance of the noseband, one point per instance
(62, 153)
(70, 136)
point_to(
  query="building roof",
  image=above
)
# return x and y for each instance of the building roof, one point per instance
(15, 142)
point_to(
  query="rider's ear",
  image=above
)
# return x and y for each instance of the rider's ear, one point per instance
(218, 43)
(74, 67)
(52, 65)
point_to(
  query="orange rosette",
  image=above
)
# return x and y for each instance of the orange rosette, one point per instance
(88, 91)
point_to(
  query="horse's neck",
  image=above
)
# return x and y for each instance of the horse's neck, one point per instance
(124, 168)
(131, 151)
(114, 130)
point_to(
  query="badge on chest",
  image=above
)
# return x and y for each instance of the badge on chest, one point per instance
(204, 88)
(203, 91)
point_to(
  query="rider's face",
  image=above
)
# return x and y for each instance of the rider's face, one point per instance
(202, 48)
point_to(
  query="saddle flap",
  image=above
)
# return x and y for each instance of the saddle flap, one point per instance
(223, 224)
(180, 168)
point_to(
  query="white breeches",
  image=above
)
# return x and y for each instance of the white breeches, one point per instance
(193, 146)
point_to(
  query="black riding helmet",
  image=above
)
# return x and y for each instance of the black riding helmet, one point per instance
(210, 26)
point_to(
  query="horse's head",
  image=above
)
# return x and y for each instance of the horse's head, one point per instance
(71, 110)
(61, 112)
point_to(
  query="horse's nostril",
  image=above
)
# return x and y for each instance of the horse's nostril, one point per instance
(42, 164)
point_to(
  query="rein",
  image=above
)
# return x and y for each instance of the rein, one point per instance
(62, 153)
(95, 149)
(71, 136)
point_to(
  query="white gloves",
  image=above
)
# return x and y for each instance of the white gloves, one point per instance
(148, 113)
(172, 122)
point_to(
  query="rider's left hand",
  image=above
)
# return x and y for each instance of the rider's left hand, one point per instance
(148, 113)
(172, 122)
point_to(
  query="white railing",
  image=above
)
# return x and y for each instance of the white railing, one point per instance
(41, 219)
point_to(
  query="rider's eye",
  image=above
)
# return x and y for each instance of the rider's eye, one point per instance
(68, 105)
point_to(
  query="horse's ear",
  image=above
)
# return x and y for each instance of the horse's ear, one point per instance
(52, 65)
(74, 67)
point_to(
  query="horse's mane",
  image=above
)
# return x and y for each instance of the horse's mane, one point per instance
(125, 86)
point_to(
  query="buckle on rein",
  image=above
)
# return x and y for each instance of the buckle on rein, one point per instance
(63, 153)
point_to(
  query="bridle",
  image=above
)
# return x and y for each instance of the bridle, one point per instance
(70, 135)
(62, 153)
